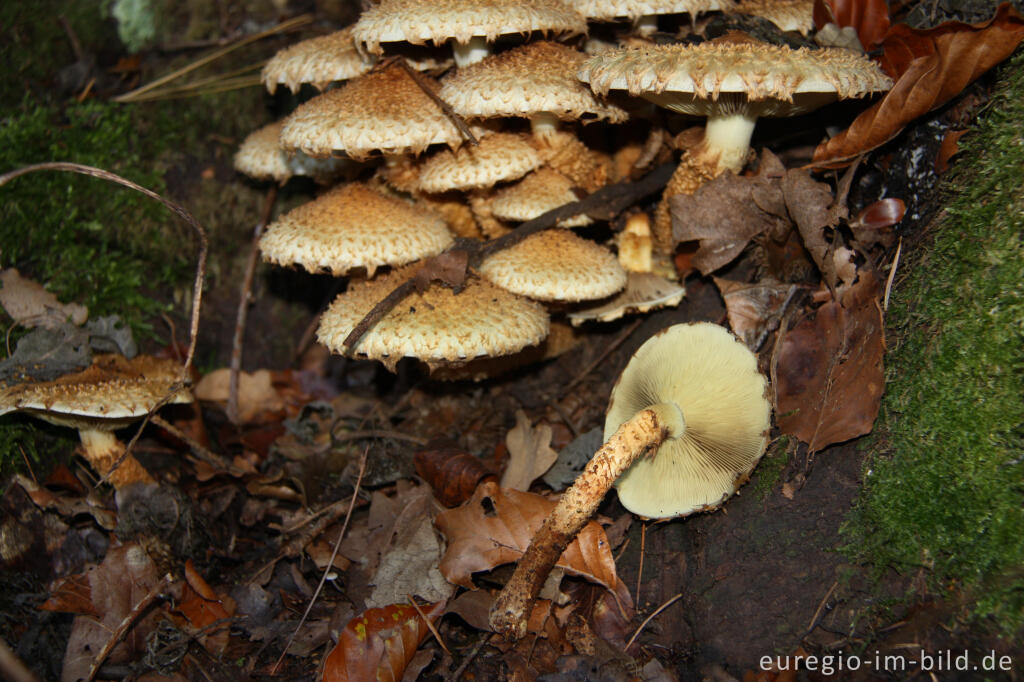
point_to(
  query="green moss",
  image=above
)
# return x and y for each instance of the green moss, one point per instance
(771, 467)
(947, 493)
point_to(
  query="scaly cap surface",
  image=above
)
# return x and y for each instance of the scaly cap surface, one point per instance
(537, 193)
(499, 157)
(319, 61)
(260, 157)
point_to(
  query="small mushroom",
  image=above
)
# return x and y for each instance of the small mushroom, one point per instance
(319, 61)
(110, 394)
(693, 400)
(536, 194)
(261, 157)
(644, 14)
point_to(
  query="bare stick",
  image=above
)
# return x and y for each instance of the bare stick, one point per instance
(649, 618)
(377, 433)
(197, 293)
(203, 453)
(644, 432)
(428, 623)
(441, 104)
(125, 625)
(609, 349)
(13, 668)
(330, 563)
(640, 570)
(244, 299)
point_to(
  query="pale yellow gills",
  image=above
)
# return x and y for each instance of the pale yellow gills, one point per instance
(536, 81)
(534, 195)
(261, 157)
(714, 381)
(354, 226)
(471, 24)
(500, 157)
(113, 392)
(645, 291)
(318, 61)
(383, 111)
(556, 265)
(436, 326)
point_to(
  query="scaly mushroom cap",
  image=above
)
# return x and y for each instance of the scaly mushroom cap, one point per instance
(556, 265)
(260, 157)
(785, 80)
(537, 193)
(499, 157)
(608, 10)
(354, 226)
(645, 291)
(422, 21)
(382, 111)
(788, 15)
(110, 393)
(532, 79)
(714, 380)
(319, 61)
(436, 326)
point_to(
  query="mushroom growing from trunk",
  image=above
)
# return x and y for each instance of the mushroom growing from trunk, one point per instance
(693, 400)
(110, 394)
(733, 81)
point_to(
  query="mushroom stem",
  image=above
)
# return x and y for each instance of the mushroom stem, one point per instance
(646, 25)
(728, 136)
(544, 124)
(102, 449)
(644, 432)
(471, 52)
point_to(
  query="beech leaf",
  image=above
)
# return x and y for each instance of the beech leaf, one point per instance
(495, 527)
(829, 376)
(530, 453)
(932, 66)
(379, 644)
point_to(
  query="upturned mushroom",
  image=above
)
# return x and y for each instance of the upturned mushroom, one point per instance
(732, 81)
(693, 400)
(110, 394)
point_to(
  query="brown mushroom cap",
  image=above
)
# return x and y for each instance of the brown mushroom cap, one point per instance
(436, 326)
(110, 393)
(532, 79)
(714, 380)
(537, 193)
(686, 77)
(788, 15)
(607, 10)
(354, 226)
(556, 265)
(260, 157)
(319, 61)
(382, 111)
(499, 157)
(422, 21)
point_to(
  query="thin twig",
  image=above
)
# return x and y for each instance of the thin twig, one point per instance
(456, 120)
(649, 619)
(136, 94)
(175, 387)
(608, 350)
(203, 453)
(892, 274)
(125, 625)
(377, 433)
(330, 562)
(430, 625)
(817, 613)
(643, 549)
(13, 668)
(460, 671)
(197, 293)
(244, 299)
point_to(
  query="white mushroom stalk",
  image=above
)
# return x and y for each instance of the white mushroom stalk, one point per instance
(693, 398)
(470, 53)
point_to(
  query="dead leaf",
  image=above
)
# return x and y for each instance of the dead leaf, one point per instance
(809, 203)
(410, 566)
(948, 148)
(932, 67)
(870, 18)
(724, 216)
(753, 307)
(31, 305)
(202, 607)
(256, 392)
(378, 644)
(829, 369)
(496, 526)
(451, 472)
(530, 453)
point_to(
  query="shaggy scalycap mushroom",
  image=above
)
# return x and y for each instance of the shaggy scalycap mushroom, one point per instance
(500, 157)
(437, 326)
(110, 394)
(644, 291)
(382, 111)
(788, 15)
(537, 193)
(470, 24)
(319, 61)
(556, 265)
(644, 12)
(354, 226)
(260, 157)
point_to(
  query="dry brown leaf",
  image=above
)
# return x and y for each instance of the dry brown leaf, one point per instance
(829, 378)
(256, 392)
(529, 453)
(808, 203)
(932, 66)
(378, 644)
(451, 472)
(203, 607)
(496, 526)
(30, 305)
(751, 307)
(410, 566)
(723, 215)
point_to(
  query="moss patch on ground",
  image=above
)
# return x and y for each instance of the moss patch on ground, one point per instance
(947, 491)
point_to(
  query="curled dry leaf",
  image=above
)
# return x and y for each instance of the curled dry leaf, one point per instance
(932, 67)
(495, 527)
(452, 473)
(752, 308)
(829, 377)
(379, 644)
(30, 305)
(529, 453)
(203, 607)
(870, 18)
